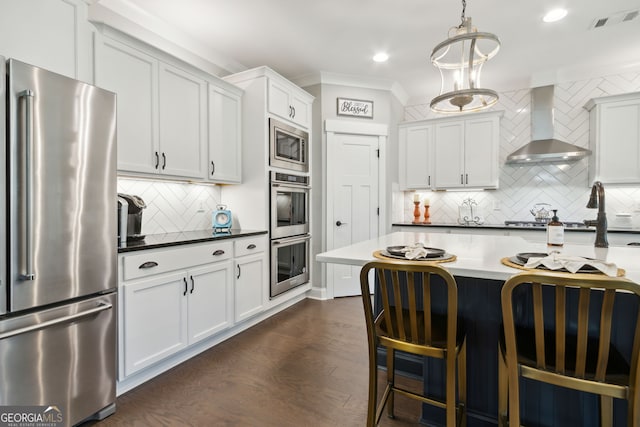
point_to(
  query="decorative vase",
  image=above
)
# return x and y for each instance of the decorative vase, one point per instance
(426, 215)
(416, 213)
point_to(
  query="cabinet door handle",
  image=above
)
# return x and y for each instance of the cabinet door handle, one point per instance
(213, 167)
(218, 252)
(192, 284)
(157, 160)
(185, 286)
(461, 179)
(290, 111)
(237, 277)
(164, 161)
(148, 264)
(294, 112)
(429, 180)
(466, 178)
(251, 246)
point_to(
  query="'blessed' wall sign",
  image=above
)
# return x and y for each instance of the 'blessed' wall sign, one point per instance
(355, 108)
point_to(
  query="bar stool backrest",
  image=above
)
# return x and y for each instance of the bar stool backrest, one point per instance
(406, 294)
(572, 329)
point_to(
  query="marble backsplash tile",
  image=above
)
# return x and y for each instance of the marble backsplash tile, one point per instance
(564, 186)
(173, 206)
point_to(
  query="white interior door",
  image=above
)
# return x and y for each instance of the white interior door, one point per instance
(352, 193)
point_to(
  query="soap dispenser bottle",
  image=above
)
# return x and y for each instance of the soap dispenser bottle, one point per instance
(555, 231)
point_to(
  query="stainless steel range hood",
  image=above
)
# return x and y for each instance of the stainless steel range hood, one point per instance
(544, 147)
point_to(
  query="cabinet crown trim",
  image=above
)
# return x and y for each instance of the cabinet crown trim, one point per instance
(264, 71)
(611, 98)
(452, 118)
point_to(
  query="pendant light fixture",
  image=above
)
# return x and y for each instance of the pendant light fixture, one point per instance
(460, 59)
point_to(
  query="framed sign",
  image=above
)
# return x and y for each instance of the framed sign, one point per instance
(355, 108)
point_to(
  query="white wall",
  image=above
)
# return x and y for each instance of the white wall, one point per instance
(387, 110)
(565, 186)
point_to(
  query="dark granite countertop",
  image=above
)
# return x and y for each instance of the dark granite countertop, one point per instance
(511, 227)
(154, 241)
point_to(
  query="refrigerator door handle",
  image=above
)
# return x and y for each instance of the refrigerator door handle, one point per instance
(28, 186)
(46, 324)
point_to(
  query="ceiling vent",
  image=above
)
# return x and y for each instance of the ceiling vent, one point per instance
(616, 18)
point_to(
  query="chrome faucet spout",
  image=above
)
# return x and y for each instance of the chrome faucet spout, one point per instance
(596, 200)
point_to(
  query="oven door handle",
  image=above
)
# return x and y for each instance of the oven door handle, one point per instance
(291, 240)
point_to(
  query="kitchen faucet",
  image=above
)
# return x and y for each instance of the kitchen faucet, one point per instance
(597, 201)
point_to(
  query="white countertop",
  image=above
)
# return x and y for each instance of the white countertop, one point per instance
(479, 256)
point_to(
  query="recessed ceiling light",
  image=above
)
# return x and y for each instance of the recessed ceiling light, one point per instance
(380, 57)
(555, 15)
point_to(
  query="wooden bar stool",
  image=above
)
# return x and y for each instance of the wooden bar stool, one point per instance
(407, 323)
(556, 343)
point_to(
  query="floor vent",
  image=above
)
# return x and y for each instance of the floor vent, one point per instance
(616, 18)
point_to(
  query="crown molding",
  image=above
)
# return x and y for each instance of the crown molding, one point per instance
(329, 78)
(129, 19)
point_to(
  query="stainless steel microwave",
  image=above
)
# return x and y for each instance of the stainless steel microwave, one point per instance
(289, 147)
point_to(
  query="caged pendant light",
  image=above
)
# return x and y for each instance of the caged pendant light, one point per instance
(460, 59)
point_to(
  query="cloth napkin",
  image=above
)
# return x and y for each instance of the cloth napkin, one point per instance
(556, 261)
(415, 251)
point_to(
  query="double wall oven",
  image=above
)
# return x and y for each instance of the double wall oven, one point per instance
(289, 226)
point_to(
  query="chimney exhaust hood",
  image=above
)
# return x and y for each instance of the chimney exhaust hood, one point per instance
(544, 147)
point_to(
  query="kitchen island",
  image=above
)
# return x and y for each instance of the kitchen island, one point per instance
(480, 275)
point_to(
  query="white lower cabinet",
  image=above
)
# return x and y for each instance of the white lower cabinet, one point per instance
(173, 298)
(210, 308)
(155, 323)
(251, 273)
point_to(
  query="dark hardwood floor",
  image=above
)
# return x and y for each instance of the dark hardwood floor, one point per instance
(306, 366)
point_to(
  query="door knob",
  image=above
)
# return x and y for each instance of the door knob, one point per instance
(339, 223)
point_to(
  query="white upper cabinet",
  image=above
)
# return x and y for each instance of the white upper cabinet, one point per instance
(416, 156)
(133, 76)
(449, 152)
(466, 152)
(614, 134)
(289, 102)
(174, 120)
(481, 152)
(183, 126)
(52, 34)
(225, 140)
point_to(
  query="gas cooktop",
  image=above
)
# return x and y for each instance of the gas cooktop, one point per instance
(539, 224)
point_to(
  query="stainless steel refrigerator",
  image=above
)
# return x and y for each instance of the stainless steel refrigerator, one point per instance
(58, 282)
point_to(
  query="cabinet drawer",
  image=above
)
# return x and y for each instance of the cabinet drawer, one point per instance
(250, 246)
(148, 263)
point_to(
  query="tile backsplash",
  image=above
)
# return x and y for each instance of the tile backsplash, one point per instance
(564, 186)
(173, 206)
